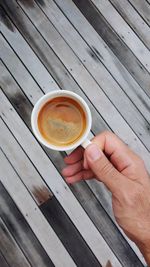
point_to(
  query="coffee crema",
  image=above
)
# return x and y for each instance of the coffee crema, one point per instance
(62, 121)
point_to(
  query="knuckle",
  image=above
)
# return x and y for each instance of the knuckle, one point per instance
(105, 168)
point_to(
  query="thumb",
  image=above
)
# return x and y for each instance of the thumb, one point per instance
(102, 167)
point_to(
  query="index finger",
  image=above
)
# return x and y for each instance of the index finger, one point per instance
(75, 156)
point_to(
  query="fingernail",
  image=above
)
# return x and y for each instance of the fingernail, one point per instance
(94, 152)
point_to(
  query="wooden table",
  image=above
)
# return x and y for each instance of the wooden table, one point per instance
(100, 50)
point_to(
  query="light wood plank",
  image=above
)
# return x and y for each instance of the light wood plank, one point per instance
(86, 81)
(78, 216)
(143, 8)
(102, 76)
(134, 20)
(10, 248)
(111, 62)
(124, 31)
(118, 47)
(34, 217)
(23, 166)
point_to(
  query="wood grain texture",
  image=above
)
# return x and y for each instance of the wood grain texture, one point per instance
(99, 49)
(143, 8)
(3, 261)
(10, 248)
(68, 234)
(134, 20)
(34, 217)
(115, 44)
(23, 166)
(22, 232)
(124, 31)
(61, 225)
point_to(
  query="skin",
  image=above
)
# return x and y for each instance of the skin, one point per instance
(124, 174)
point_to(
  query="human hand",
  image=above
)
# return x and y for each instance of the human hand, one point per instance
(110, 161)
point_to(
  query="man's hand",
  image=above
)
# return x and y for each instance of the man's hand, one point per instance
(110, 161)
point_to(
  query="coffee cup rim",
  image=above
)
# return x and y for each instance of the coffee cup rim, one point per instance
(44, 99)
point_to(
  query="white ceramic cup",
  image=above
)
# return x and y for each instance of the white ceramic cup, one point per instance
(83, 141)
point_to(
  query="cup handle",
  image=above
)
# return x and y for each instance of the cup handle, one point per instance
(86, 143)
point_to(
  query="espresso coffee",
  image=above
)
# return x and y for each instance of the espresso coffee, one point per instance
(61, 121)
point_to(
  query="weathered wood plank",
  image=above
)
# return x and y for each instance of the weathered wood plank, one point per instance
(59, 188)
(38, 74)
(127, 58)
(67, 233)
(10, 248)
(143, 8)
(101, 75)
(22, 232)
(3, 261)
(29, 176)
(99, 50)
(61, 224)
(124, 31)
(134, 20)
(34, 217)
(56, 157)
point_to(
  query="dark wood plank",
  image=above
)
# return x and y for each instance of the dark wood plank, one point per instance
(127, 58)
(68, 234)
(3, 261)
(10, 248)
(33, 215)
(21, 231)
